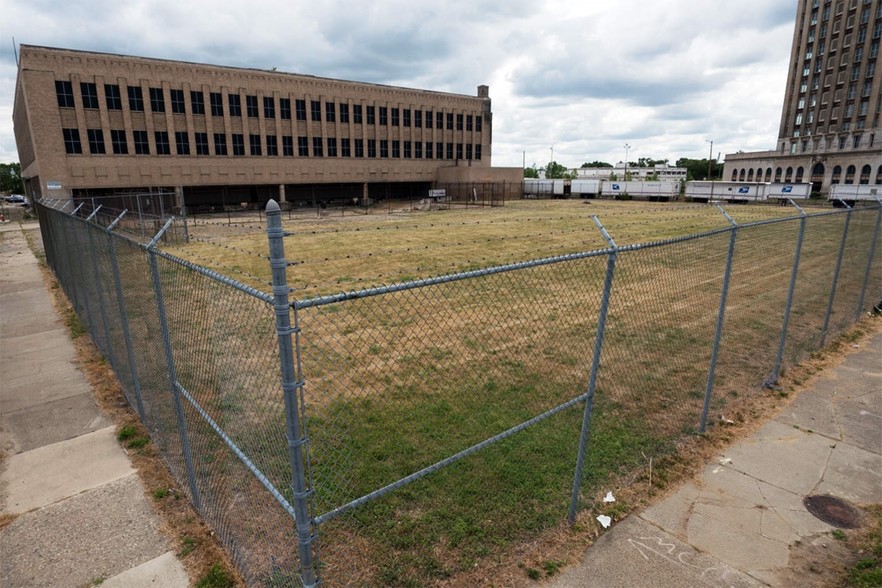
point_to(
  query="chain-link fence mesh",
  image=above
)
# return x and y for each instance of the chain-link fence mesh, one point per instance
(438, 420)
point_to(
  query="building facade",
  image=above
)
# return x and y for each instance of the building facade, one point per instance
(89, 124)
(830, 122)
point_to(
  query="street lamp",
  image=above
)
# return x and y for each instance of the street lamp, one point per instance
(552, 153)
(710, 157)
(627, 146)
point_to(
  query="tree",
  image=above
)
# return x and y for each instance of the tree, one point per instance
(597, 164)
(554, 170)
(531, 172)
(649, 162)
(10, 178)
(696, 169)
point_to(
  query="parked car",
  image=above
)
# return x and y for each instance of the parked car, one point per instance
(15, 199)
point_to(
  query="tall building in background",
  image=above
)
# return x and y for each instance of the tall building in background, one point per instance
(830, 124)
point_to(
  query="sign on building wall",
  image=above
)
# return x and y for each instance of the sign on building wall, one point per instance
(53, 185)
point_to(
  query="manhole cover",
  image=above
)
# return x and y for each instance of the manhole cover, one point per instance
(833, 511)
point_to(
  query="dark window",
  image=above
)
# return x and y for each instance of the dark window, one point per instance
(356, 114)
(370, 118)
(428, 146)
(235, 102)
(96, 141)
(396, 149)
(418, 149)
(345, 149)
(220, 144)
(478, 120)
(118, 141)
(217, 103)
(439, 120)
(254, 143)
(177, 101)
(72, 141)
(316, 110)
(89, 92)
(197, 102)
(303, 146)
(450, 151)
(359, 147)
(344, 113)
(459, 151)
(428, 119)
(449, 121)
(407, 150)
(287, 145)
(251, 106)
(136, 99)
(478, 152)
(285, 108)
(372, 147)
(269, 107)
(468, 151)
(162, 146)
(238, 140)
(64, 93)
(439, 150)
(332, 147)
(330, 112)
(272, 145)
(395, 117)
(459, 118)
(301, 109)
(182, 143)
(418, 118)
(111, 94)
(384, 148)
(201, 143)
(384, 116)
(317, 150)
(406, 114)
(142, 146)
(157, 100)
(469, 120)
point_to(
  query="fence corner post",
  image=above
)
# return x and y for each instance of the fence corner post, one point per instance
(291, 388)
(870, 255)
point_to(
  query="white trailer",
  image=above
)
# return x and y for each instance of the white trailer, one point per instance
(534, 188)
(726, 191)
(560, 188)
(653, 190)
(585, 188)
(785, 191)
(852, 193)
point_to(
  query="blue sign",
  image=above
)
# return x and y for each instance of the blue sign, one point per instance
(615, 186)
(787, 189)
(743, 190)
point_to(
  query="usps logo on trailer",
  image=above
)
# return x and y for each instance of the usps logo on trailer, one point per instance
(743, 190)
(615, 186)
(787, 189)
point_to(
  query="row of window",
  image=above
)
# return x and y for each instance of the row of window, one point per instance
(329, 147)
(333, 112)
(827, 143)
(741, 175)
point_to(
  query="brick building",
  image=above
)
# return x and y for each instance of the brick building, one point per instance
(92, 124)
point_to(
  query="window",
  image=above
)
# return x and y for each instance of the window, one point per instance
(406, 119)
(330, 113)
(428, 144)
(162, 145)
(449, 151)
(396, 149)
(316, 107)
(254, 143)
(384, 116)
(285, 108)
(317, 149)
(251, 106)
(235, 102)
(359, 147)
(370, 117)
(287, 146)
(89, 92)
(96, 141)
(112, 96)
(407, 150)
(459, 151)
(478, 152)
(136, 99)
(449, 121)
(469, 122)
(842, 142)
(182, 143)
(372, 146)
(855, 144)
(197, 102)
(459, 118)
(428, 119)
(201, 143)
(439, 120)
(142, 146)
(303, 146)
(332, 147)
(384, 148)
(64, 93)
(418, 118)
(269, 107)
(418, 150)
(72, 141)
(157, 100)
(118, 142)
(238, 140)
(272, 145)
(300, 106)
(345, 148)
(395, 117)
(344, 113)
(220, 144)
(469, 151)
(439, 150)
(216, 100)
(356, 114)
(177, 101)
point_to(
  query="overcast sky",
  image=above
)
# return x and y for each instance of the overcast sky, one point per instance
(583, 76)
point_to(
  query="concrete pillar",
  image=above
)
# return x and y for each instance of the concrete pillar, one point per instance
(179, 201)
(365, 194)
(282, 193)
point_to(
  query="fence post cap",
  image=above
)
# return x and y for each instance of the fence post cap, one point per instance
(272, 206)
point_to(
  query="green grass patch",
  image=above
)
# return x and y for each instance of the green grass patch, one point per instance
(867, 572)
(217, 577)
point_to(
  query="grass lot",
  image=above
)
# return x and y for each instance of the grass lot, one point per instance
(394, 383)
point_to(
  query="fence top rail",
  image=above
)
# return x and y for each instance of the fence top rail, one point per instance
(216, 276)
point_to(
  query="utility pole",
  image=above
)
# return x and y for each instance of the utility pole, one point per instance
(625, 178)
(710, 157)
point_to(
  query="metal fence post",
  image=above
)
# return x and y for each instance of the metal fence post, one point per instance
(124, 318)
(170, 365)
(860, 307)
(291, 387)
(835, 276)
(595, 364)
(721, 313)
(99, 288)
(772, 379)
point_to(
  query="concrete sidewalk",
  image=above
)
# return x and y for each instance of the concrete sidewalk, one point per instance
(743, 521)
(81, 513)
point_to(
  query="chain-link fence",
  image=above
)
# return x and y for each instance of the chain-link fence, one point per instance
(413, 433)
